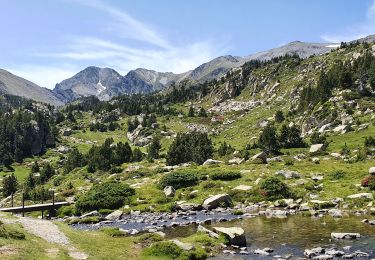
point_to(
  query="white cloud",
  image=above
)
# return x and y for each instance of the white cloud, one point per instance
(153, 51)
(356, 31)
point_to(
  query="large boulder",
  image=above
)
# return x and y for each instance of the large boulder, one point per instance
(236, 235)
(219, 200)
(262, 156)
(316, 148)
(169, 191)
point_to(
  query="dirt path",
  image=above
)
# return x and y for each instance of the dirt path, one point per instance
(48, 231)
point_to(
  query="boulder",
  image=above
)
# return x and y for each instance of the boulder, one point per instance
(341, 129)
(115, 215)
(336, 213)
(219, 200)
(310, 253)
(261, 156)
(288, 174)
(94, 213)
(236, 235)
(316, 148)
(361, 196)
(182, 245)
(169, 191)
(243, 187)
(236, 161)
(371, 171)
(345, 235)
(212, 161)
(188, 206)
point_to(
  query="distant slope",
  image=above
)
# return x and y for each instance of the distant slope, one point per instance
(14, 85)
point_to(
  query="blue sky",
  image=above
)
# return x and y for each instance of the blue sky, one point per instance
(48, 41)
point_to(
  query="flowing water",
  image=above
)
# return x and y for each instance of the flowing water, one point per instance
(287, 236)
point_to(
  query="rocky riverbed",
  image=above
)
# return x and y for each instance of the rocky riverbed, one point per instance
(269, 234)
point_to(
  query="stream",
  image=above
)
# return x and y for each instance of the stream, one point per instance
(288, 237)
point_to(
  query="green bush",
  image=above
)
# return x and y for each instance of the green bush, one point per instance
(273, 188)
(225, 176)
(147, 239)
(164, 249)
(66, 211)
(179, 180)
(337, 175)
(108, 195)
(9, 232)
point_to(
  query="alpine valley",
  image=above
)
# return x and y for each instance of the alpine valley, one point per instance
(271, 155)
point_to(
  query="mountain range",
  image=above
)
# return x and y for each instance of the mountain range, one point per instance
(106, 83)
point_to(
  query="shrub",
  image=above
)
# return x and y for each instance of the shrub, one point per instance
(164, 249)
(273, 188)
(9, 232)
(179, 180)
(369, 181)
(109, 195)
(289, 161)
(66, 211)
(336, 175)
(147, 239)
(225, 176)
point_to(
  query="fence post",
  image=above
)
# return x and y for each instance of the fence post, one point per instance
(12, 199)
(23, 204)
(42, 206)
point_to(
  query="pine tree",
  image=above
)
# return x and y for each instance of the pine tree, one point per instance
(9, 185)
(268, 140)
(202, 112)
(279, 116)
(191, 112)
(154, 148)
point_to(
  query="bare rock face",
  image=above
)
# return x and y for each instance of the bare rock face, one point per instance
(236, 235)
(219, 200)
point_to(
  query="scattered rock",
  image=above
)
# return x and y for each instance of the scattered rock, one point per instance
(371, 171)
(212, 161)
(260, 156)
(236, 161)
(316, 148)
(361, 196)
(345, 235)
(288, 174)
(115, 215)
(243, 187)
(169, 191)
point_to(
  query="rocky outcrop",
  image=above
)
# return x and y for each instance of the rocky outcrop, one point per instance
(316, 148)
(169, 191)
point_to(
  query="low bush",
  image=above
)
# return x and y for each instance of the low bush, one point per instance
(273, 189)
(147, 239)
(179, 180)
(9, 232)
(164, 249)
(337, 175)
(225, 176)
(108, 195)
(66, 211)
(369, 182)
